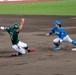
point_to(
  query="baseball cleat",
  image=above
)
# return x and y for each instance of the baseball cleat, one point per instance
(31, 50)
(19, 54)
(56, 48)
(14, 55)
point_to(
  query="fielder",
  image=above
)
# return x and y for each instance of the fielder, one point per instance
(17, 45)
(62, 35)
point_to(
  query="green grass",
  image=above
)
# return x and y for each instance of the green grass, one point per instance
(66, 7)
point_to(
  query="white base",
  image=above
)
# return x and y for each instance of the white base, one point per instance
(73, 49)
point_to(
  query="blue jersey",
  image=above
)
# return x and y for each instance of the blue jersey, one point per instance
(60, 32)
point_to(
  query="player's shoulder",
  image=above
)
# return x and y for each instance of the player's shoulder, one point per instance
(9, 28)
(61, 28)
(53, 28)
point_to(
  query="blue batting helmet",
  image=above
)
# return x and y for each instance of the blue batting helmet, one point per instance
(58, 22)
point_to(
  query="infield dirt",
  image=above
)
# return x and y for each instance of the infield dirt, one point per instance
(44, 61)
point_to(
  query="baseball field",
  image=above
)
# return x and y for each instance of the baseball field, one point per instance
(39, 18)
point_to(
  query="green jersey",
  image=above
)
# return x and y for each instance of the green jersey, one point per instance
(13, 35)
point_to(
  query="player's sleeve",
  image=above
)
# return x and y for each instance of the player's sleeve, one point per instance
(52, 31)
(8, 29)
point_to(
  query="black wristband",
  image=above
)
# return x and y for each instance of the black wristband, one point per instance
(50, 33)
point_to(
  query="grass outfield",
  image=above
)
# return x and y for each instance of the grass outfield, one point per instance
(66, 7)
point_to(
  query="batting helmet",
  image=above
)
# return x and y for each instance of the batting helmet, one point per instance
(58, 22)
(16, 26)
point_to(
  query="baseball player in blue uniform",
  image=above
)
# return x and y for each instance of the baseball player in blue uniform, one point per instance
(62, 35)
(17, 45)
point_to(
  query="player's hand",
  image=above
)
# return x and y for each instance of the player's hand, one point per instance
(47, 34)
(22, 21)
(2, 28)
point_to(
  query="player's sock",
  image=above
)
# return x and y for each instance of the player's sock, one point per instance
(74, 43)
(19, 54)
(26, 48)
(56, 44)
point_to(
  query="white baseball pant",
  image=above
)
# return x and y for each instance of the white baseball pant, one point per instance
(66, 39)
(20, 47)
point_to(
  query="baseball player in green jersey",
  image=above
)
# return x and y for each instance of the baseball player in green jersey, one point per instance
(17, 45)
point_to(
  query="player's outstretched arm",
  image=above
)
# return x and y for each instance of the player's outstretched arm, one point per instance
(50, 33)
(21, 24)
